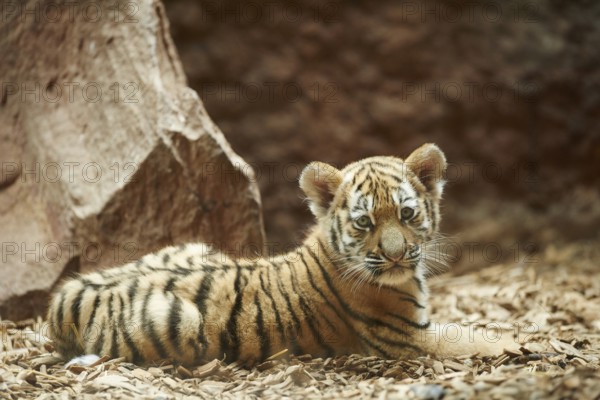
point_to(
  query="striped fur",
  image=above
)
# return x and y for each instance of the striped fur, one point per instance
(354, 286)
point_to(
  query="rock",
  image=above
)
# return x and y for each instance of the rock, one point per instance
(105, 152)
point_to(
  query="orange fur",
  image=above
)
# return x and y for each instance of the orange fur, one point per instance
(356, 285)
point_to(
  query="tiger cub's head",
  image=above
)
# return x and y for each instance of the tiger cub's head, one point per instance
(379, 214)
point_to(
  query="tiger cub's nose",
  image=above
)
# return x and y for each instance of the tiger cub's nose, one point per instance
(393, 248)
(395, 253)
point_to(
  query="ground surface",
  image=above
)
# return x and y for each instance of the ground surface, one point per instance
(556, 296)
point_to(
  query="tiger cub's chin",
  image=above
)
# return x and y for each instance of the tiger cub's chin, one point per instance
(395, 278)
(356, 285)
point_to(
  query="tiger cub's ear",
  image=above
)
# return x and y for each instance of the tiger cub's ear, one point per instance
(429, 164)
(320, 181)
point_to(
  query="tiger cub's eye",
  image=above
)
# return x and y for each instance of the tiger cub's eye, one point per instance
(363, 222)
(407, 213)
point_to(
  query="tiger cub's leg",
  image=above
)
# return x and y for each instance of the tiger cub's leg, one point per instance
(454, 339)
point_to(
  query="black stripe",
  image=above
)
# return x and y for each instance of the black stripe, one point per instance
(135, 353)
(114, 348)
(430, 214)
(358, 207)
(406, 297)
(418, 283)
(388, 169)
(76, 307)
(353, 179)
(97, 286)
(229, 337)
(59, 311)
(318, 290)
(174, 321)
(410, 322)
(166, 258)
(352, 313)
(412, 301)
(99, 345)
(327, 278)
(170, 284)
(203, 292)
(395, 178)
(399, 344)
(338, 224)
(265, 345)
(381, 351)
(92, 319)
(131, 293)
(148, 327)
(327, 303)
(291, 336)
(308, 313)
(279, 324)
(200, 300)
(334, 239)
(180, 248)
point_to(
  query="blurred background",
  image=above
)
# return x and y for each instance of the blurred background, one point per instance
(510, 91)
(106, 154)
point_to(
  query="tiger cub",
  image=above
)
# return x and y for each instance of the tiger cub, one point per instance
(356, 285)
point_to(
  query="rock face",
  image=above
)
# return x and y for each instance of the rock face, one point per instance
(105, 152)
(508, 89)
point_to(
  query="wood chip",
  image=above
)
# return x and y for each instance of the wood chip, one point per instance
(267, 365)
(207, 369)
(501, 360)
(45, 359)
(543, 367)
(456, 366)
(566, 348)
(438, 367)
(99, 361)
(115, 381)
(142, 374)
(170, 382)
(278, 354)
(156, 372)
(76, 368)
(27, 376)
(495, 379)
(184, 372)
(396, 372)
(513, 352)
